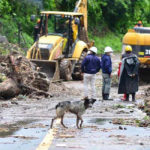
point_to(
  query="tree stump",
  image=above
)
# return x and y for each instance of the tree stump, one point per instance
(9, 89)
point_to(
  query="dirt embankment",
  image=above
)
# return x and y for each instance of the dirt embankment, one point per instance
(20, 76)
(147, 101)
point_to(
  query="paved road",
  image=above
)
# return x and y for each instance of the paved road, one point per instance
(100, 134)
(99, 131)
(26, 126)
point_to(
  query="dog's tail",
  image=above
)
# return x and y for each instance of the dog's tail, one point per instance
(58, 105)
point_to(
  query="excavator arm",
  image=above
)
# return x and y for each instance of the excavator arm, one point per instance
(81, 7)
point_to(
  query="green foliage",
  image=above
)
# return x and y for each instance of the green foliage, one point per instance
(117, 106)
(119, 15)
(9, 28)
(110, 39)
(15, 13)
(27, 40)
(137, 122)
(5, 8)
(2, 77)
(108, 20)
(96, 11)
(49, 4)
(146, 118)
(116, 14)
(65, 5)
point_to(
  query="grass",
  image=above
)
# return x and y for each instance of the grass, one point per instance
(117, 106)
(146, 118)
(110, 39)
(9, 29)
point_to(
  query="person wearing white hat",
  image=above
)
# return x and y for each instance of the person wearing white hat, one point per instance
(106, 72)
(90, 66)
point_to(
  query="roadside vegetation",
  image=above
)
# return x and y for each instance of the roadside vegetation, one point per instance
(108, 20)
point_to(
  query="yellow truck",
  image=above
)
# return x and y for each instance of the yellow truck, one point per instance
(139, 39)
(62, 43)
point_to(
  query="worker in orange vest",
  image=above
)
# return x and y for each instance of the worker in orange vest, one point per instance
(139, 24)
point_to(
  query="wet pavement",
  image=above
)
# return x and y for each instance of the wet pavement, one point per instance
(24, 126)
(25, 135)
(97, 133)
(100, 133)
(108, 125)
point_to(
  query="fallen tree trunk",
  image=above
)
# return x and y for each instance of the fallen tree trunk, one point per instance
(9, 89)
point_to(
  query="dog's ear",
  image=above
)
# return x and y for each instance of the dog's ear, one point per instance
(93, 100)
(86, 101)
(86, 98)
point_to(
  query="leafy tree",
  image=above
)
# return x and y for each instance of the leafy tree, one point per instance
(104, 16)
(116, 14)
(5, 8)
(49, 5)
(65, 5)
(141, 10)
(95, 13)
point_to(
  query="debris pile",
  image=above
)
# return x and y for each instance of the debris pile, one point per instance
(6, 48)
(22, 77)
(147, 101)
(115, 80)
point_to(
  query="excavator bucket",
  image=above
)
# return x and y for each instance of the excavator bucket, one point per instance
(51, 68)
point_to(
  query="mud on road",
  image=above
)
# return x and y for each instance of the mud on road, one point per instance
(112, 125)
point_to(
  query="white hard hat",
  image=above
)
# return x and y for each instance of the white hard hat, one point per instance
(93, 49)
(108, 50)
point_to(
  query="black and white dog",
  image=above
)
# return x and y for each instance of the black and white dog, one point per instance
(77, 107)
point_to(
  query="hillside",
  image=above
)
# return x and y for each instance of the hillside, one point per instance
(108, 20)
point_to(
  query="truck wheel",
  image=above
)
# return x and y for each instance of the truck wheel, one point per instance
(77, 73)
(65, 70)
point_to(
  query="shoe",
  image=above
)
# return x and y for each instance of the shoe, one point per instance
(103, 96)
(133, 97)
(123, 99)
(106, 97)
(127, 97)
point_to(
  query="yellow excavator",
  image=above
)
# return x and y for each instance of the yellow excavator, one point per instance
(139, 39)
(61, 43)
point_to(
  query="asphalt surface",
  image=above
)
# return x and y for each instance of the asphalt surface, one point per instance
(108, 125)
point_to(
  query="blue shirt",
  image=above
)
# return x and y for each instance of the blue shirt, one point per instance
(91, 64)
(106, 64)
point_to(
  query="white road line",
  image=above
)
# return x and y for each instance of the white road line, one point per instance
(47, 141)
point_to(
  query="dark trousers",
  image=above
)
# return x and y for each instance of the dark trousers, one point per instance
(133, 97)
